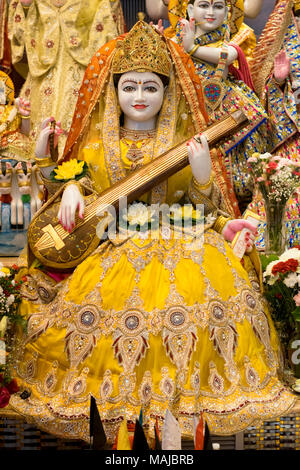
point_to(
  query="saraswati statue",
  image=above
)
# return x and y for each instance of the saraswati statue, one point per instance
(144, 322)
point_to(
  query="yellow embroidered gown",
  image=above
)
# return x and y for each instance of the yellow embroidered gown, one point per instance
(151, 323)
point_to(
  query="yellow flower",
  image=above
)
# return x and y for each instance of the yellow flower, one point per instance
(69, 170)
(4, 271)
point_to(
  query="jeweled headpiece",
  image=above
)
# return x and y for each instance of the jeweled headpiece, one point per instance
(142, 50)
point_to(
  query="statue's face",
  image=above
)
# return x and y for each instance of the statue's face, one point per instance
(2, 92)
(210, 14)
(140, 95)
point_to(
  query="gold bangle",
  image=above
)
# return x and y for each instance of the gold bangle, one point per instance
(77, 183)
(202, 187)
(220, 223)
(25, 117)
(44, 162)
(194, 49)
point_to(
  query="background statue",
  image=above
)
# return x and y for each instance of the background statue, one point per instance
(207, 33)
(59, 38)
(159, 9)
(276, 74)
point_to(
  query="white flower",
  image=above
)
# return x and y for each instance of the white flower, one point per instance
(291, 280)
(265, 156)
(293, 253)
(269, 268)
(272, 280)
(10, 300)
(137, 214)
(1, 291)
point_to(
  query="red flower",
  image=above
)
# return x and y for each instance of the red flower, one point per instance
(278, 296)
(24, 278)
(292, 265)
(15, 267)
(273, 165)
(4, 397)
(279, 268)
(13, 386)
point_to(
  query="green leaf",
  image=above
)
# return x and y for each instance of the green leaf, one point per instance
(265, 260)
(296, 314)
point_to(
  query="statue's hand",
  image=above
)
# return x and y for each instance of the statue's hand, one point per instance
(199, 158)
(282, 66)
(42, 145)
(234, 226)
(188, 34)
(159, 26)
(71, 201)
(26, 3)
(23, 106)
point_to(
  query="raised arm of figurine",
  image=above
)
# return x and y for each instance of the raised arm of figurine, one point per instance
(23, 107)
(282, 67)
(157, 9)
(207, 54)
(72, 198)
(252, 8)
(200, 161)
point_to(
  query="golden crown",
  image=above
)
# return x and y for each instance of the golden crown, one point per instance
(143, 50)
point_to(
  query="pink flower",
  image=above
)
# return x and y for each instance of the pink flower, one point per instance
(297, 299)
(260, 179)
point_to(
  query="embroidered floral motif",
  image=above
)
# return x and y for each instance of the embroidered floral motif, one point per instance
(215, 380)
(145, 390)
(251, 374)
(106, 388)
(166, 385)
(76, 385)
(48, 91)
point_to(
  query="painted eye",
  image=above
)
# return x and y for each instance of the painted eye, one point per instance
(151, 89)
(129, 89)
